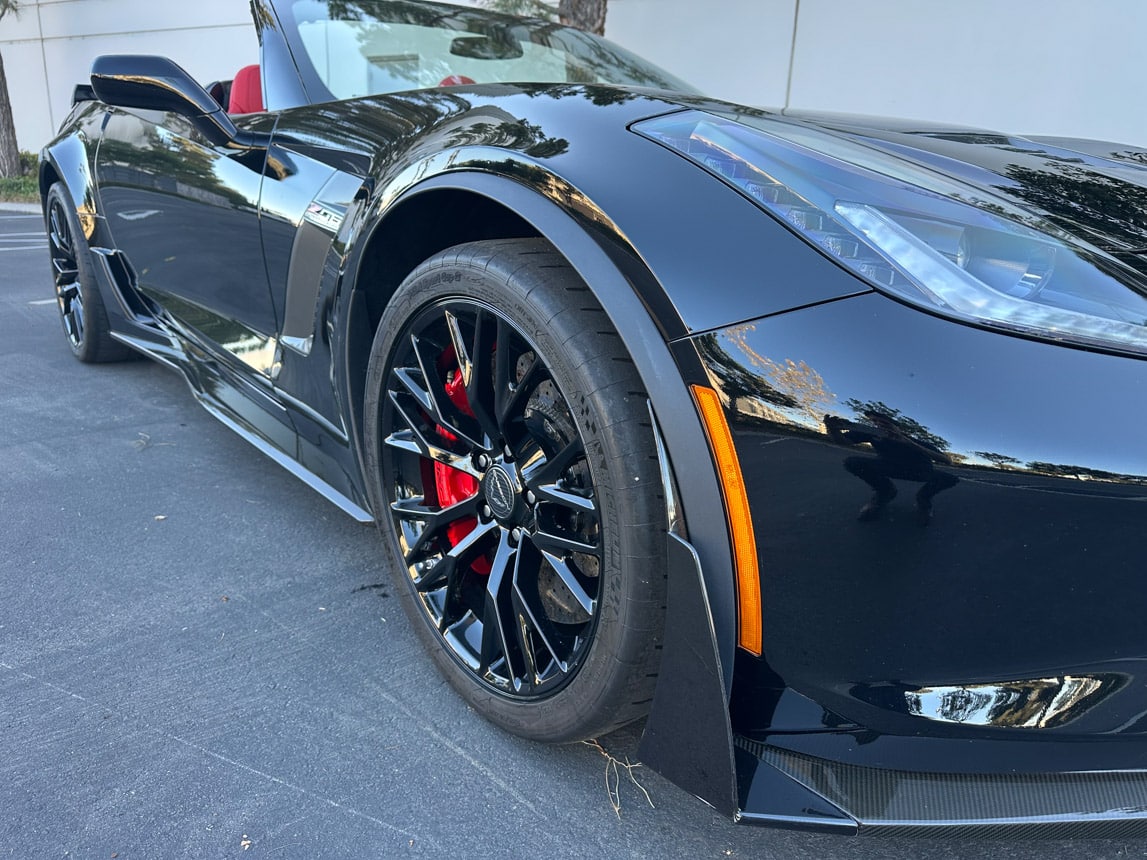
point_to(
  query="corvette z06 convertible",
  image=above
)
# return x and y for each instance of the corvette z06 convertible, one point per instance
(817, 441)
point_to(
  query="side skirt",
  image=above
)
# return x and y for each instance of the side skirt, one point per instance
(135, 325)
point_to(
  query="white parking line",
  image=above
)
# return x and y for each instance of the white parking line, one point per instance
(26, 248)
(43, 302)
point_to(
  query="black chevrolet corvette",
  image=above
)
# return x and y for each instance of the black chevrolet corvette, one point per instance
(818, 441)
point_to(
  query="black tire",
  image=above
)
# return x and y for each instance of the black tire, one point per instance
(81, 307)
(542, 595)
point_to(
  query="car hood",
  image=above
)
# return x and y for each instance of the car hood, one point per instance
(1093, 189)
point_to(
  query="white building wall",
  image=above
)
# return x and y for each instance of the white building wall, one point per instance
(49, 47)
(1028, 66)
(732, 49)
(1061, 67)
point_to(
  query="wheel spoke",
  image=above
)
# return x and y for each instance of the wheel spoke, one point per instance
(436, 576)
(413, 439)
(549, 470)
(481, 385)
(447, 575)
(60, 235)
(453, 609)
(514, 625)
(530, 675)
(461, 354)
(575, 502)
(537, 622)
(434, 520)
(497, 609)
(466, 548)
(461, 552)
(511, 397)
(435, 398)
(74, 323)
(572, 580)
(66, 271)
(405, 375)
(415, 442)
(544, 478)
(503, 371)
(429, 393)
(556, 544)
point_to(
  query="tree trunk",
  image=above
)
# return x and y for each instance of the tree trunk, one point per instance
(9, 151)
(588, 15)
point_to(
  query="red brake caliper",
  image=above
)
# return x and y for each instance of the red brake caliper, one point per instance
(452, 485)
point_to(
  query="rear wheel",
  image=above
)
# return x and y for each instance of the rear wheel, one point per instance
(516, 484)
(81, 308)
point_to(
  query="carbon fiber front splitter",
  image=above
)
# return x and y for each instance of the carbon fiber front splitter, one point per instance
(786, 788)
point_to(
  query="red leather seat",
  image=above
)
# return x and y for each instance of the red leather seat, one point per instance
(246, 91)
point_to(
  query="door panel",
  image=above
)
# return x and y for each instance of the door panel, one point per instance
(186, 215)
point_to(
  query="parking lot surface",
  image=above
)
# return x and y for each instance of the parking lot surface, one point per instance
(200, 657)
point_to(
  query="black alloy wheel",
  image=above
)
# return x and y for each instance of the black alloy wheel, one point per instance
(77, 296)
(509, 440)
(71, 302)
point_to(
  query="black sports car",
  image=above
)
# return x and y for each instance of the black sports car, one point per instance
(817, 440)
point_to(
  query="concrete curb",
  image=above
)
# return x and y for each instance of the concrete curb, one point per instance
(25, 208)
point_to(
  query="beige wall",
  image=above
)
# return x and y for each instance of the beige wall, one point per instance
(1028, 66)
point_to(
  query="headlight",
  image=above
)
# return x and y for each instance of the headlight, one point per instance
(917, 234)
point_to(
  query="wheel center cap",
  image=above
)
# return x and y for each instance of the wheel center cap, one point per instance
(502, 492)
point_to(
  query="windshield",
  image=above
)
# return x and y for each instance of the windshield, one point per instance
(383, 46)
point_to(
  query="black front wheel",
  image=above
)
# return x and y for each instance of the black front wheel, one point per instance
(81, 308)
(514, 474)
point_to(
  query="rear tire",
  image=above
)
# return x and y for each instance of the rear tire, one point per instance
(81, 307)
(512, 466)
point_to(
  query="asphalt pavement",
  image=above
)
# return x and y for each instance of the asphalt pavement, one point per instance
(200, 657)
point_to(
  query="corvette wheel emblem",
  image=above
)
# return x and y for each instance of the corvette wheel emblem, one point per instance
(500, 492)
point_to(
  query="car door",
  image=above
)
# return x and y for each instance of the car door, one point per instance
(185, 213)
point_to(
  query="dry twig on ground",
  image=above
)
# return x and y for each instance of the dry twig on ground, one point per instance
(613, 767)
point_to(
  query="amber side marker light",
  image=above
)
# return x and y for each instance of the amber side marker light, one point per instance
(740, 523)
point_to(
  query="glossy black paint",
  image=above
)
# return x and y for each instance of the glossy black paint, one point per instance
(498, 162)
(694, 704)
(1001, 606)
(1011, 615)
(157, 84)
(1033, 497)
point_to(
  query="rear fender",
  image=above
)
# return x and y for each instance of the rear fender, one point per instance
(68, 159)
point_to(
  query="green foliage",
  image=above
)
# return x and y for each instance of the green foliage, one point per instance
(23, 188)
(526, 8)
(910, 427)
(20, 189)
